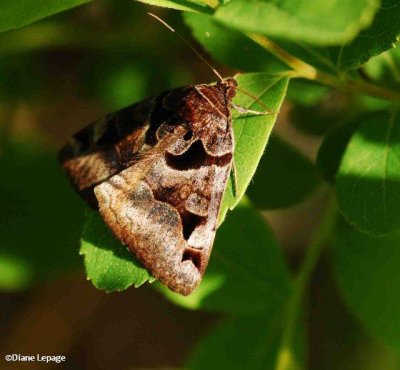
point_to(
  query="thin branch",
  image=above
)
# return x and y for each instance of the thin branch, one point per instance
(305, 70)
(319, 239)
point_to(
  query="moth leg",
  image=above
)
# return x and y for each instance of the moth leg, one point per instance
(244, 110)
(234, 178)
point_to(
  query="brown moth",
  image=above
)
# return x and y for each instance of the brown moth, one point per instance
(157, 171)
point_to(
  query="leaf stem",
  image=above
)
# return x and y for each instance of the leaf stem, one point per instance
(302, 69)
(319, 238)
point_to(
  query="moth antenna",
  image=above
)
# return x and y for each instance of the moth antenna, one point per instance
(201, 57)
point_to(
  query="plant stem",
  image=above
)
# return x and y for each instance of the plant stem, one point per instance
(304, 70)
(319, 238)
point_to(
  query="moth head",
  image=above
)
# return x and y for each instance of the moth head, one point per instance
(230, 86)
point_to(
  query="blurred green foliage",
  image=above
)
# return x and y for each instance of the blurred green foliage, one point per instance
(40, 219)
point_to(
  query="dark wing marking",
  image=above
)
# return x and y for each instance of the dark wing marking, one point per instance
(167, 216)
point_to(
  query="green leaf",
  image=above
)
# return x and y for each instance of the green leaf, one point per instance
(312, 21)
(367, 273)
(18, 13)
(109, 265)
(384, 69)
(231, 47)
(246, 274)
(283, 178)
(39, 216)
(252, 132)
(380, 36)
(186, 5)
(368, 181)
(246, 343)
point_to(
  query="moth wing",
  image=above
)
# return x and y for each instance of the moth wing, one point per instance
(93, 154)
(165, 209)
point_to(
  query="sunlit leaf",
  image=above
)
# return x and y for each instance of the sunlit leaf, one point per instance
(368, 181)
(109, 265)
(251, 131)
(312, 21)
(384, 69)
(381, 35)
(19, 13)
(188, 5)
(366, 269)
(231, 47)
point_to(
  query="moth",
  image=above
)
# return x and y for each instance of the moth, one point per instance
(156, 171)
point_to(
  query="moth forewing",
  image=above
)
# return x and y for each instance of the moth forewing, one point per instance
(164, 200)
(94, 153)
